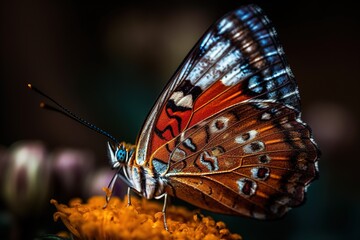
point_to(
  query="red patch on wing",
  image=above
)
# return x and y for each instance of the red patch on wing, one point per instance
(170, 124)
(215, 99)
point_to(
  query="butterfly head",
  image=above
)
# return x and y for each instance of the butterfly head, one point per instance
(120, 155)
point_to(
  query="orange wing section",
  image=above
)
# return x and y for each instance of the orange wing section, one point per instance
(215, 99)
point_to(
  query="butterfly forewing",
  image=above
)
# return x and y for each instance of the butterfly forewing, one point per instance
(238, 58)
(225, 134)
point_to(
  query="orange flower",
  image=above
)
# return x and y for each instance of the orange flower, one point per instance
(142, 220)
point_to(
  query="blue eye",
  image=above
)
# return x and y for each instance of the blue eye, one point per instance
(121, 155)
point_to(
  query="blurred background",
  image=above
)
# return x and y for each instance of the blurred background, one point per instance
(108, 62)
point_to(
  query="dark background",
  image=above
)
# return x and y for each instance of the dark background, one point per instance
(109, 61)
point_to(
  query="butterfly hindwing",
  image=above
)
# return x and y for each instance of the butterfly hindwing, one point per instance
(253, 159)
(239, 58)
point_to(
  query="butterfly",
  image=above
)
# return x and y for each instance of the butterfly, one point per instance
(226, 133)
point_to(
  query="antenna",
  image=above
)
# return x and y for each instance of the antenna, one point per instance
(64, 111)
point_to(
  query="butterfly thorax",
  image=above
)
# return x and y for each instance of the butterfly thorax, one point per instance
(142, 177)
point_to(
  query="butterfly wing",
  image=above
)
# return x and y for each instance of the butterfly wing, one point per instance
(225, 134)
(253, 159)
(239, 58)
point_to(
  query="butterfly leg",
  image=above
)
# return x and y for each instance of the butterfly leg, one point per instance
(110, 187)
(129, 190)
(164, 212)
(129, 196)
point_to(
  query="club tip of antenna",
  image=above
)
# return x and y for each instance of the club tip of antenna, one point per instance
(29, 85)
(42, 104)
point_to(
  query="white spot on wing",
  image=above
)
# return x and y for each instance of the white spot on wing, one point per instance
(181, 100)
(248, 136)
(241, 184)
(255, 171)
(221, 120)
(186, 101)
(254, 147)
(265, 116)
(177, 96)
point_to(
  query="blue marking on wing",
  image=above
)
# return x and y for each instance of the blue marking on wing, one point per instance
(159, 166)
(242, 14)
(254, 84)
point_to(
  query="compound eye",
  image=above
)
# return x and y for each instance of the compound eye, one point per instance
(121, 155)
